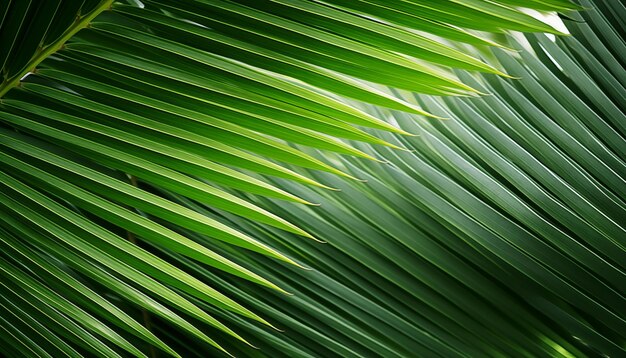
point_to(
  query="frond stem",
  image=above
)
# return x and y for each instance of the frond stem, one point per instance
(80, 23)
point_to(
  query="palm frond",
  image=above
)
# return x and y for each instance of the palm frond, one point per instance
(501, 234)
(122, 143)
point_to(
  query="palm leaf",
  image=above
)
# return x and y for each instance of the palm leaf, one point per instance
(501, 234)
(152, 118)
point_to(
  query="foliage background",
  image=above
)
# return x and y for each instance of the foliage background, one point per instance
(499, 233)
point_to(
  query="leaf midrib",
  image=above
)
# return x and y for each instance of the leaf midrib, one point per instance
(80, 23)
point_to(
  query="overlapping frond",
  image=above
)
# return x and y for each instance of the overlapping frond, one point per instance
(122, 143)
(502, 234)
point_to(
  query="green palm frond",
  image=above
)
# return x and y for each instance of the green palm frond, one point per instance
(303, 39)
(501, 234)
(137, 124)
